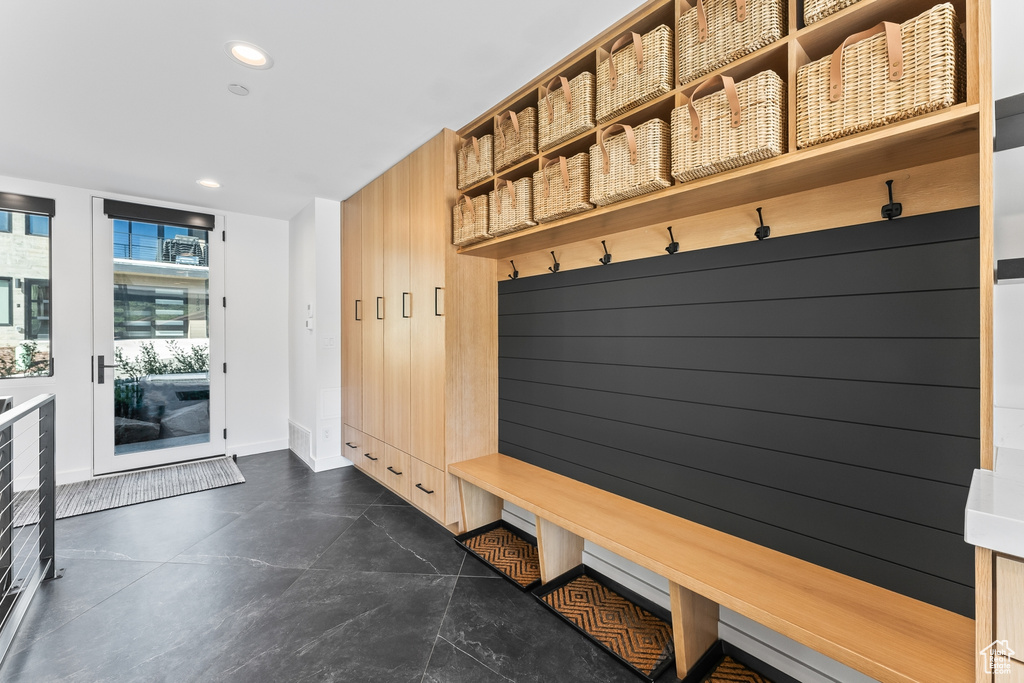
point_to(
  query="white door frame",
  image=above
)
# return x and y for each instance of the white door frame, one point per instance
(104, 460)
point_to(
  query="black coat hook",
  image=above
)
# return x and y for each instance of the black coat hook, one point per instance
(607, 258)
(673, 246)
(554, 268)
(764, 231)
(515, 273)
(892, 209)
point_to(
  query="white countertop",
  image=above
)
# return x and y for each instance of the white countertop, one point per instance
(995, 512)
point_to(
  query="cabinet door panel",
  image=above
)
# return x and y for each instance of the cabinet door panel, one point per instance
(353, 445)
(374, 309)
(430, 240)
(353, 309)
(400, 304)
(396, 470)
(427, 488)
(1010, 603)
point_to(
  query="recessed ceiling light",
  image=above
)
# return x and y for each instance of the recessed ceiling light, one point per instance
(238, 89)
(247, 54)
(208, 182)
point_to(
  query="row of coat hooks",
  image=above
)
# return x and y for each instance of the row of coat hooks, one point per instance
(890, 211)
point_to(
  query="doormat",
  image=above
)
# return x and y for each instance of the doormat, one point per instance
(620, 621)
(731, 671)
(726, 663)
(120, 490)
(508, 551)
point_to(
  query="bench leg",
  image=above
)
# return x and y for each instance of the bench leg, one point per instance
(694, 626)
(559, 550)
(479, 507)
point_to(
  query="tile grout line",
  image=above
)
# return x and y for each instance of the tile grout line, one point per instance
(470, 655)
(440, 624)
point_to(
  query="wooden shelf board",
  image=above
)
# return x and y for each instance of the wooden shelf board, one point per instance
(947, 134)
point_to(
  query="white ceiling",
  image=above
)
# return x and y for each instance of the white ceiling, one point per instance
(131, 96)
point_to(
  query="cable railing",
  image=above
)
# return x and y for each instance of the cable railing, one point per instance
(27, 507)
(181, 250)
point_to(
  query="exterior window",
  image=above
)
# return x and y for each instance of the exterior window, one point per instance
(142, 312)
(25, 332)
(6, 301)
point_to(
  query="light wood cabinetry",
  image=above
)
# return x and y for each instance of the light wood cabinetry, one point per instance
(425, 344)
(1010, 604)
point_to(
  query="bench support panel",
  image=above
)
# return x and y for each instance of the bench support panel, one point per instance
(694, 626)
(559, 550)
(479, 507)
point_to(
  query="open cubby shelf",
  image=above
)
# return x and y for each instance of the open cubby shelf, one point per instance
(947, 134)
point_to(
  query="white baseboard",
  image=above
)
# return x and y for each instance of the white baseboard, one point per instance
(330, 463)
(242, 450)
(72, 476)
(774, 649)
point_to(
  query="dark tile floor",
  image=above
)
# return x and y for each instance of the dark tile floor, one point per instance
(291, 576)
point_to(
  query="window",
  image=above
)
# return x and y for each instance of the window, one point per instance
(6, 302)
(37, 309)
(141, 241)
(142, 312)
(37, 225)
(6, 221)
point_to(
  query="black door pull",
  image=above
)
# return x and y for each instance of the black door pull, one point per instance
(367, 455)
(393, 470)
(420, 487)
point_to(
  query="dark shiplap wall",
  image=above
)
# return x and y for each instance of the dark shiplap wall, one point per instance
(816, 394)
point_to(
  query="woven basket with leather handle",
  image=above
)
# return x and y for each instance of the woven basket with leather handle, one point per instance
(713, 33)
(511, 206)
(743, 123)
(562, 188)
(816, 10)
(636, 73)
(630, 164)
(469, 221)
(515, 137)
(565, 112)
(888, 73)
(474, 161)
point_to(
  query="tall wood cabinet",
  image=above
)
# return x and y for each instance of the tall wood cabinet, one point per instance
(419, 334)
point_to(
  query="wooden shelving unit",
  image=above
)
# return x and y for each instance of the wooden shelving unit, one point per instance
(940, 136)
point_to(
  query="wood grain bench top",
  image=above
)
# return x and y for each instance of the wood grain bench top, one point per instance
(884, 634)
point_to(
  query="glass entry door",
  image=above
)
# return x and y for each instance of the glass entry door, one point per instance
(158, 382)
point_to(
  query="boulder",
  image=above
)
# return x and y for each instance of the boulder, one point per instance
(127, 430)
(194, 419)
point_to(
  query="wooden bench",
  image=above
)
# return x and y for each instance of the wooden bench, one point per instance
(886, 635)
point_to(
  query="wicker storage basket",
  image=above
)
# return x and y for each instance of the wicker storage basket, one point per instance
(566, 112)
(635, 74)
(515, 137)
(816, 10)
(713, 33)
(631, 164)
(511, 206)
(469, 220)
(474, 161)
(743, 123)
(888, 73)
(562, 190)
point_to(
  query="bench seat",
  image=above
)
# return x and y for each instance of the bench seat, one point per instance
(883, 634)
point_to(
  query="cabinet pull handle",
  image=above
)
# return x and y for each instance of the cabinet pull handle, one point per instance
(351, 445)
(438, 308)
(406, 296)
(358, 312)
(393, 470)
(380, 303)
(420, 487)
(367, 455)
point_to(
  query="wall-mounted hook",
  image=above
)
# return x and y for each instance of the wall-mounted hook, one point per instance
(673, 246)
(515, 273)
(554, 268)
(764, 231)
(892, 209)
(607, 258)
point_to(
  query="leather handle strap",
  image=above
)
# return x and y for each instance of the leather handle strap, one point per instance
(638, 50)
(497, 194)
(730, 94)
(893, 45)
(565, 174)
(469, 203)
(546, 95)
(702, 17)
(476, 147)
(630, 139)
(498, 129)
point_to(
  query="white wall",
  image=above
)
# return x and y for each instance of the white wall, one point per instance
(257, 401)
(314, 283)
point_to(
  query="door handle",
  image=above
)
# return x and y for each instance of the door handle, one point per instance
(100, 367)
(358, 316)
(380, 304)
(406, 296)
(438, 308)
